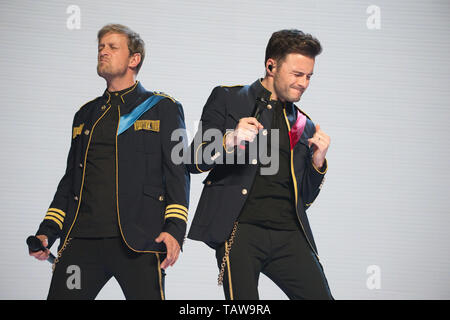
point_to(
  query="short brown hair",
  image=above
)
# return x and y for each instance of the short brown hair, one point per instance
(286, 41)
(135, 43)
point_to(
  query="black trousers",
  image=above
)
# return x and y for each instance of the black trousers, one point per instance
(283, 256)
(87, 264)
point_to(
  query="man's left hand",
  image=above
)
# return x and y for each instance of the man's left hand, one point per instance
(321, 142)
(173, 249)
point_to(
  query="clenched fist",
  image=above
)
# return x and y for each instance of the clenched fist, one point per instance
(246, 130)
(321, 142)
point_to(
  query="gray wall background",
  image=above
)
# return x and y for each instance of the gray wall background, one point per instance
(381, 94)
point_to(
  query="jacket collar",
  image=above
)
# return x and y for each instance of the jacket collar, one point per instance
(125, 96)
(260, 91)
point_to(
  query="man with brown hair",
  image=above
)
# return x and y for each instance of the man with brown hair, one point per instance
(121, 207)
(256, 221)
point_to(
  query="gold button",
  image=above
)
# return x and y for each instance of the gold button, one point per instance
(75, 198)
(254, 161)
(116, 93)
(161, 198)
(103, 107)
(244, 191)
(81, 165)
(208, 182)
(269, 106)
(86, 132)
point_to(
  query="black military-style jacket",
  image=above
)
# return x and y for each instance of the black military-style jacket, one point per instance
(227, 185)
(152, 192)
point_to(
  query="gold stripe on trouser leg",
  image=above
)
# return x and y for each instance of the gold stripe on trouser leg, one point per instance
(160, 277)
(230, 286)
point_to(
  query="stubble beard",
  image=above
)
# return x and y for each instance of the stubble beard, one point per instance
(107, 71)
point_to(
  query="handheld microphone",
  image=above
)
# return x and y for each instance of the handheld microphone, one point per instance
(256, 114)
(35, 245)
(257, 111)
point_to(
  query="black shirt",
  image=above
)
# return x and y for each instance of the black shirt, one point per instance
(271, 201)
(97, 216)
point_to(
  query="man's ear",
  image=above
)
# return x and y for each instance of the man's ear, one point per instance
(134, 60)
(271, 65)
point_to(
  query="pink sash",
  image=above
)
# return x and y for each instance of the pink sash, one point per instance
(297, 129)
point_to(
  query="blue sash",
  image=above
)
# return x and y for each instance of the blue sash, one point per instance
(129, 119)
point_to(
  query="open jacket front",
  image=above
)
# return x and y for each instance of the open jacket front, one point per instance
(227, 186)
(152, 192)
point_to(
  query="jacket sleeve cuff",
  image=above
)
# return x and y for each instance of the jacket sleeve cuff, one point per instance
(176, 230)
(175, 222)
(49, 230)
(322, 170)
(227, 150)
(52, 225)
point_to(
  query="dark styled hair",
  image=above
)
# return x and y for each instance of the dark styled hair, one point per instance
(135, 43)
(284, 42)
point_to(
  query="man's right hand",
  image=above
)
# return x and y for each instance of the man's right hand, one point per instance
(41, 255)
(246, 130)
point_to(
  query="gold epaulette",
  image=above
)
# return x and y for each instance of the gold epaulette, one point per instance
(237, 85)
(158, 93)
(88, 103)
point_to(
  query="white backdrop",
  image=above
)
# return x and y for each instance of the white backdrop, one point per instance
(380, 90)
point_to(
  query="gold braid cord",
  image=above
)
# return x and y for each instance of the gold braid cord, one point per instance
(227, 253)
(60, 254)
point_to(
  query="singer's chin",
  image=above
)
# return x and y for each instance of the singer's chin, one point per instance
(296, 99)
(299, 96)
(102, 72)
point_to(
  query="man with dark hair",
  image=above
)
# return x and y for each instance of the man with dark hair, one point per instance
(257, 222)
(121, 208)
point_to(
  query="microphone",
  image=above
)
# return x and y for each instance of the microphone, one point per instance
(256, 114)
(35, 245)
